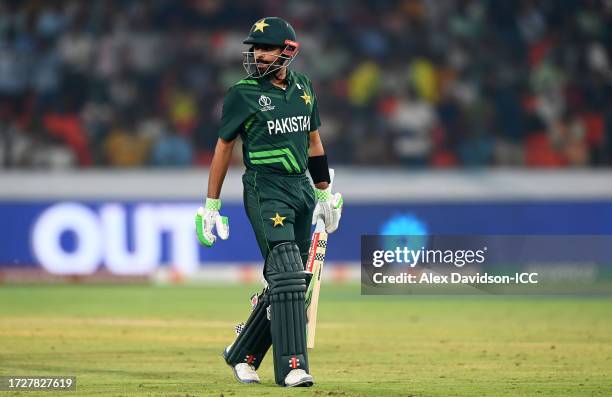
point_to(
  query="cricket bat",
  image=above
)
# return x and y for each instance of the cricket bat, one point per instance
(316, 259)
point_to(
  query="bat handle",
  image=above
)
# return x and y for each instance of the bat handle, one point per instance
(320, 226)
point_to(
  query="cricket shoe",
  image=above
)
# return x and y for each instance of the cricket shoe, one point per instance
(298, 378)
(243, 372)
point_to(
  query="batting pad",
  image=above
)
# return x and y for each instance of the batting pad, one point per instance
(254, 340)
(286, 278)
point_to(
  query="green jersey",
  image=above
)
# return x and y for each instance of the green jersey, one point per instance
(274, 124)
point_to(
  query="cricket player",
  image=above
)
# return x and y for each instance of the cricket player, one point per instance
(274, 111)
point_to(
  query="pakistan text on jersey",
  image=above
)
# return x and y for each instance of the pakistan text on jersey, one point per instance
(289, 124)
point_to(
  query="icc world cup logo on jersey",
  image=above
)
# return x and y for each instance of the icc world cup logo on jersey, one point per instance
(265, 103)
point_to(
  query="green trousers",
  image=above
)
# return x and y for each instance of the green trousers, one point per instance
(279, 208)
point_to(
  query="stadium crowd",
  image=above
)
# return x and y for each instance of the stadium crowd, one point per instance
(414, 83)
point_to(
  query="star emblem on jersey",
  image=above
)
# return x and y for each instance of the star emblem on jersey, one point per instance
(260, 26)
(278, 220)
(307, 99)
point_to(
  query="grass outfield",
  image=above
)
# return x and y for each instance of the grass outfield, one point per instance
(166, 341)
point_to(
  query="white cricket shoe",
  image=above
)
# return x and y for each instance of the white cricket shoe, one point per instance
(298, 377)
(245, 373)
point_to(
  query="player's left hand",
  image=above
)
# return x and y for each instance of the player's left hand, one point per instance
(329, 208)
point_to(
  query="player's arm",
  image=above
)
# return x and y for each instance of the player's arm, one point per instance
(329, 206)
(208, 218)
(219, 166)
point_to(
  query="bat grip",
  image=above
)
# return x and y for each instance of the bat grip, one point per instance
(320, 226)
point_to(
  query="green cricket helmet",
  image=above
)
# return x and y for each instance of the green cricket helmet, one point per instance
(275, 32)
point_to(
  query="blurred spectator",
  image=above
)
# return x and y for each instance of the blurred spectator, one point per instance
(172, 150)
(410, 83)
(412, 121)
(125, 147)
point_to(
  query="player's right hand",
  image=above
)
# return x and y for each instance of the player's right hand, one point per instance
(328, 208)
(207, 218)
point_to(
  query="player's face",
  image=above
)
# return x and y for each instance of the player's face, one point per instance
(265, 55)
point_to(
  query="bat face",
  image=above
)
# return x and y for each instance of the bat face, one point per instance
(314, 265)
(316, 258)
(317, 250)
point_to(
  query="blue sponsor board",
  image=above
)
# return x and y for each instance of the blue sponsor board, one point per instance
(133, 237)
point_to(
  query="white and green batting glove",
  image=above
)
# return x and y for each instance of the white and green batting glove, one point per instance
(329, 208)
(207, 218)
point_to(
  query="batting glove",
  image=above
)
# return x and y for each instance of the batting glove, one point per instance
(329, 208)
(207, 218)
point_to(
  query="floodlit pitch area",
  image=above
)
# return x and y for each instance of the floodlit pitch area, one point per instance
(166, 341)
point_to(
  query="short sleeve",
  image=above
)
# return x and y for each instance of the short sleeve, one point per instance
(235, 112)
(315, 121)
